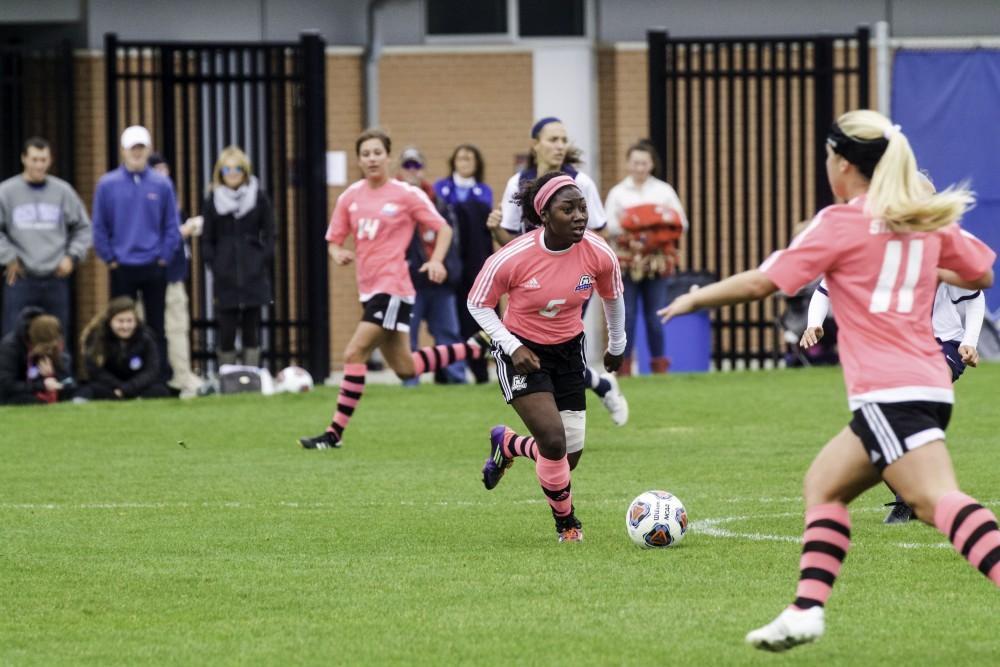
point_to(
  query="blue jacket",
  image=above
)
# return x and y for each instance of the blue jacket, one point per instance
(135, 218)
(448, 191)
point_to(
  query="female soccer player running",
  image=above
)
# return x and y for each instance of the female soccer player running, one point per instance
(957, 320)
(382, 214)
(550, 151)
(548, 274)
(882, 253)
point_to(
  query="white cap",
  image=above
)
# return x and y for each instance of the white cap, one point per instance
(136, 135)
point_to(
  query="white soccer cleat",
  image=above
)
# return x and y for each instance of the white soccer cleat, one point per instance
(791, 628)
(615, 401)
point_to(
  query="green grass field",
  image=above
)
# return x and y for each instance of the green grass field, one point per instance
(119, 545)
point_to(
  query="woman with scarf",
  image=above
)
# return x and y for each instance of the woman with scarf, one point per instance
(238, 245)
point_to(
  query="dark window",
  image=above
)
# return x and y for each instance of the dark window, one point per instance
(551, 18)
(462, 17)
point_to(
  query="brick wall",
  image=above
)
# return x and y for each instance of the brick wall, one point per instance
(623, 94)
(92, 276)
(438, 100)
(344, 120)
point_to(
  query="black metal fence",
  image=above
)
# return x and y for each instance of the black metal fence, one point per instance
(740, 123)
(36, 99)
(269, 99)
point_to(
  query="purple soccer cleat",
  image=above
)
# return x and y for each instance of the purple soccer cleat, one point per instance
(496, 465)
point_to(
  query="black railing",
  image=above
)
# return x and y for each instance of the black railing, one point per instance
(740, 124)
(268, 98)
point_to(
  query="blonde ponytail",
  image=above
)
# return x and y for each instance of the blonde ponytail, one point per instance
(897, 192)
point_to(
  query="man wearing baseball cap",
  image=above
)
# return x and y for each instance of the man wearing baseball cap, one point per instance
(136, 229)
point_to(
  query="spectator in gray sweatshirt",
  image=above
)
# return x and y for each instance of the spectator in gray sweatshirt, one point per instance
(44, 234)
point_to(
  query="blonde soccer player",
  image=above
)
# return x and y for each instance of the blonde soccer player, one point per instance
(881, 253)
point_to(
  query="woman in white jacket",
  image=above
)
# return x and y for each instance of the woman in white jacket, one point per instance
(645, 222)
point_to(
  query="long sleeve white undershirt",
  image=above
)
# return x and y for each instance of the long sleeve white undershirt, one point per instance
(614, 311)
(819, 307)
(975, 311)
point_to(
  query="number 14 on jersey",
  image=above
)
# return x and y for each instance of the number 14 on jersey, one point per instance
(367, 227)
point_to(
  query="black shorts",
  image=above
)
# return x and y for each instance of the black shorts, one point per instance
(561, 373)
(889, 430)
(388, 311)
(952, 356)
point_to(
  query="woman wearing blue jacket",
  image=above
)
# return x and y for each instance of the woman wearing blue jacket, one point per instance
(469, 201)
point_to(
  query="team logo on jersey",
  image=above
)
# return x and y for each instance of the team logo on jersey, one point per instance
(586, 283)
(531, 284)
(519, 382)
(389, 209)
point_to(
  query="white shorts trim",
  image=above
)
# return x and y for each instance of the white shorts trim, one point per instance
(902, 395)
(923, 437)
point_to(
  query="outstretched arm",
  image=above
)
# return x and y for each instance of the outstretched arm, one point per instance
(984, 281)
(747, 286)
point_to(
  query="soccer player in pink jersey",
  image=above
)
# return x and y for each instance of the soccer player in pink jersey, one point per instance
(551, 150)
(381, 214)
(547, 275)
(882, 254)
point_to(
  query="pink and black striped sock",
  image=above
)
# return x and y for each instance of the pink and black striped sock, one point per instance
(973, 531)
(824, 547)
(519, 445)
(555, 480)
(351, 388)
(429, 359)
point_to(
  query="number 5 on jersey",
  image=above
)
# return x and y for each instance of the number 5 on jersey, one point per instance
(552, 309)
(893, 259)
(367, 227)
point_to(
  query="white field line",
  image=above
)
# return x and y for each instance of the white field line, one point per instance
(712, 527)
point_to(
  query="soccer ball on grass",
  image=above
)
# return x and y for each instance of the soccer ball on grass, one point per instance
(656, 520)
(293, 380)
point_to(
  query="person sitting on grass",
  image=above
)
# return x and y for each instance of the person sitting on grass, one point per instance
(121, 357)
(34, 366)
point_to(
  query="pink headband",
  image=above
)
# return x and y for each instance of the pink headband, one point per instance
(546, 191)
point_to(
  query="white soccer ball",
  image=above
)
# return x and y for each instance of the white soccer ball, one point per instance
(294, 380)
(656, 520)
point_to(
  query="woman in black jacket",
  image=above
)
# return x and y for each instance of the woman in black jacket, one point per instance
(238, 245)
(34, 367)
(120, 354)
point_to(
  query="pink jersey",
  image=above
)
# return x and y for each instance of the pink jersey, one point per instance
(547, 288)
(382, 221)
(882, 286)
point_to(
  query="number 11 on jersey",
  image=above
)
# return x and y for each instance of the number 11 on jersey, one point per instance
(893, 259)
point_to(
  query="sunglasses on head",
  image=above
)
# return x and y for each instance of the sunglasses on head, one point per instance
(412, 164)
(232, 170)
